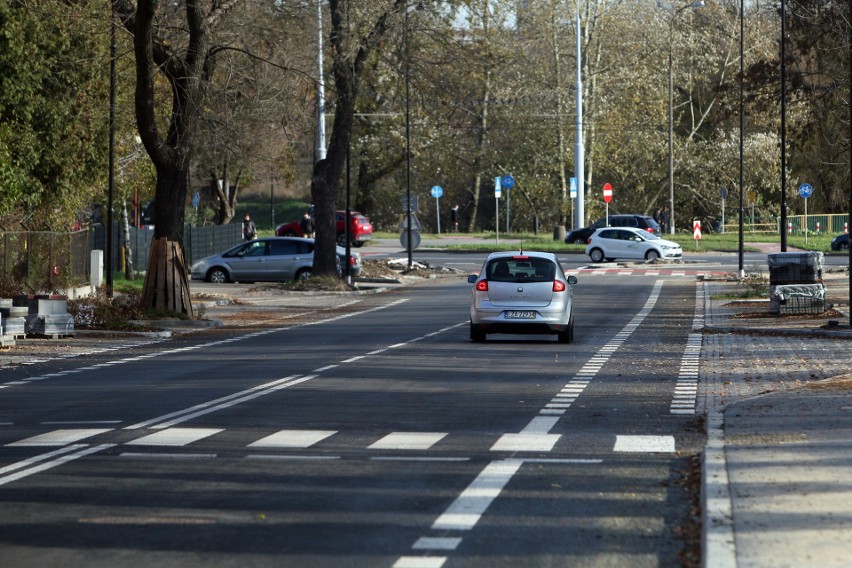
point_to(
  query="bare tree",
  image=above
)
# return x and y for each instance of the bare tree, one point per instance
(356, 30)
(185, 60)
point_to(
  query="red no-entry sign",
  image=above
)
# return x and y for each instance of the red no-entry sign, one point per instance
(607, 193)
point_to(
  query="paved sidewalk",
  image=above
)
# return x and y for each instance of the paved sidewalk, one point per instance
(778, 395)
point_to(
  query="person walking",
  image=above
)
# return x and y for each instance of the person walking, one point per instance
(307, 225)
(454, 218)
(664, 220)
(249, 229)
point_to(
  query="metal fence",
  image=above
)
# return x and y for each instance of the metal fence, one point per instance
(51, 261)
(39, 261)
(198, 242)
(817, 224)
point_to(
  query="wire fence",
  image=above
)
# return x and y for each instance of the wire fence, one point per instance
(44, 261)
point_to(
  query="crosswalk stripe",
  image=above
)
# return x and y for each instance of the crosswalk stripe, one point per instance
(408, 441)
(60, 437)
(293, 439)
(174, 437)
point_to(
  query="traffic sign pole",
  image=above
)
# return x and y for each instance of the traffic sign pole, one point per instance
(805, 191)
(607, 197)
(437, 192)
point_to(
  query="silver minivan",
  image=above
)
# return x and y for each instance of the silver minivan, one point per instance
(272, 259)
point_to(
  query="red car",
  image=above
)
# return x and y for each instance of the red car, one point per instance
(360, 229)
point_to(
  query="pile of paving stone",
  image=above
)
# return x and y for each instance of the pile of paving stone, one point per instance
(34, 314)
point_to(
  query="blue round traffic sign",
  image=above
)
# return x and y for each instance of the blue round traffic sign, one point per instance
(805, 190)
(437, 191)
(507, 182)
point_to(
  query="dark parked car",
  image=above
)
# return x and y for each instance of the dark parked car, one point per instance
(360, 228)
(840, 242)
(645, 222)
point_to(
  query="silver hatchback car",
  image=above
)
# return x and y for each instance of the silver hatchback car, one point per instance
(272, 259)
(522, 292)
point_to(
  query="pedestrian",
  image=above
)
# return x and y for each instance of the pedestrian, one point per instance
(657, 215)
(664, 220)
(249, 230)
(307, 225)
(454, 218)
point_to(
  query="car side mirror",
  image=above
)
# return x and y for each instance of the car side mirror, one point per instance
(572, 280)
(472, 278)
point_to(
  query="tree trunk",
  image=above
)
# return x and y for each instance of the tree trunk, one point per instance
(129, 274)
(347, 65)
(166, 282)
(481, 142)
(187, 73)
(166, 285)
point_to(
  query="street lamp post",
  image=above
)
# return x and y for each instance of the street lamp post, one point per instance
(671, 219)
(407, 143)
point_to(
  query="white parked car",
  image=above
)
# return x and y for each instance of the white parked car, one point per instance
(625, 242)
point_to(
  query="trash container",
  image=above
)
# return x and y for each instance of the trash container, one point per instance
(795, 268)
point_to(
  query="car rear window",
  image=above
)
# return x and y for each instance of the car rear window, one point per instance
(508, 269)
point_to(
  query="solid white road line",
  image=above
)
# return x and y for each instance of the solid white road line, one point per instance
(467, 509)
(54, 463)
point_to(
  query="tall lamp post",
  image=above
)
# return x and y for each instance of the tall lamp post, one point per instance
(407, 143)
(697, 4)
(111, 182)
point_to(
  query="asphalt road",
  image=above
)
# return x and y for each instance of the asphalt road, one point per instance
(377, 435)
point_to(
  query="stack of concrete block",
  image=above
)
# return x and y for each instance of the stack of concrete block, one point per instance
(51, 318)
(13, 320)
(46, 315)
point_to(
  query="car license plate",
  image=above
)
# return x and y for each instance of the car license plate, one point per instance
(516, 314)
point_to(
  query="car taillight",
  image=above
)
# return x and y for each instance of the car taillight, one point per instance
(482, 286)
(558, 286)
(589, 241)
(351, 261)
(649, 229)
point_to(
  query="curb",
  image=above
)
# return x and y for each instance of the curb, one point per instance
(838, 334)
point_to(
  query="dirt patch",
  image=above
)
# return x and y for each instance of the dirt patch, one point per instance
(840, 382)
(828, 314)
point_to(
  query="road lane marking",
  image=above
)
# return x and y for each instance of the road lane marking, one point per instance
(60, 437)
(177, 350)
(420, 562)
(217, 404)
(293, 439)
(78, 453)
(408, 441)
(536, 436)
(468, 508)
(180, 456)
(289, 457)
(36, 459)
(419, 459)
(176, 437)
(686, 387)
(644, 444)
(436, 543)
